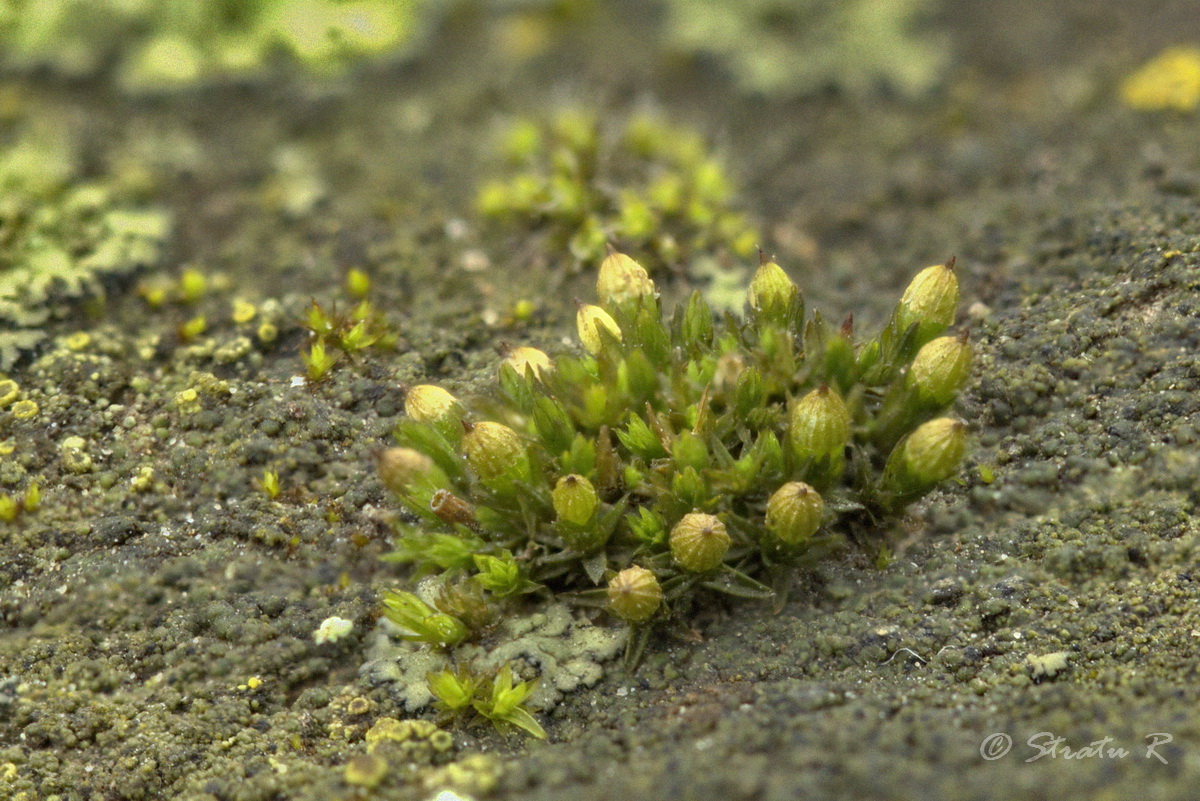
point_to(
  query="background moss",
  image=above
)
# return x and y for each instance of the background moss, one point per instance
(156, 45)
(797, 47)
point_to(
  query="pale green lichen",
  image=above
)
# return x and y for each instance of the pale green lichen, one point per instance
(568, 651)
(161, 44)
(798, 47)
(61, 235)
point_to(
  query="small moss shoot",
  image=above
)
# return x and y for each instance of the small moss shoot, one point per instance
(675, 198)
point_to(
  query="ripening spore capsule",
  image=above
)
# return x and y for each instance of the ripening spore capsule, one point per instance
(523, 359)
(794, 513)
(770, 290)
(427, 403)
(494, 451)
(940, 369)
(820, 424)
(588, 320)
(929, 455)
(574, 500)
(931, 299)
(699, 542)
(399, 468)
(621, 279)
(634, 594)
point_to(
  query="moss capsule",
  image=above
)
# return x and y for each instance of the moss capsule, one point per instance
(452, 509)
(634, 594)
(771, 291)
(931, 301)
(400, 468)
(588, 321)
(928, 455)
(524, 359)
(431, 404)
(820, 425)
(794, 513)
(940, 369)
(574, 500)
(699, 542)
(621, 279)
(495, 451)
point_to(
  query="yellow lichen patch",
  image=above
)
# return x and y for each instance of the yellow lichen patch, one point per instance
(9, 392)
(25, 409)
(78, 341)
(365, 770)
(1169, 81)
(188, 400)
(143, 480)
(475, 774)
(243, 311)
(359, 706)
(409, 742)
(75, 456)
(389, 729)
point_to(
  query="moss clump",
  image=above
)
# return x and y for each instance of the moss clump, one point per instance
(161, 44)
(61, 235)
(653, 187)
(798, 47)
(675, 444)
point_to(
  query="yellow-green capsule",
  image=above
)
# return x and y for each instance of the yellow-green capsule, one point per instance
(358, 283)
(928, 455)
(634, 594)
(794, 513)
(495, 451)
(699, 542)
(621, 279)
(574, 500)
(931, 300)
(523, 359)
(820, 425)
(588, 320)
(399, 468)
(431, 404)
(770, 290)
(940, 369)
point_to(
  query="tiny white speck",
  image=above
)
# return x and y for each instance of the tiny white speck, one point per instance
(450, 795)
